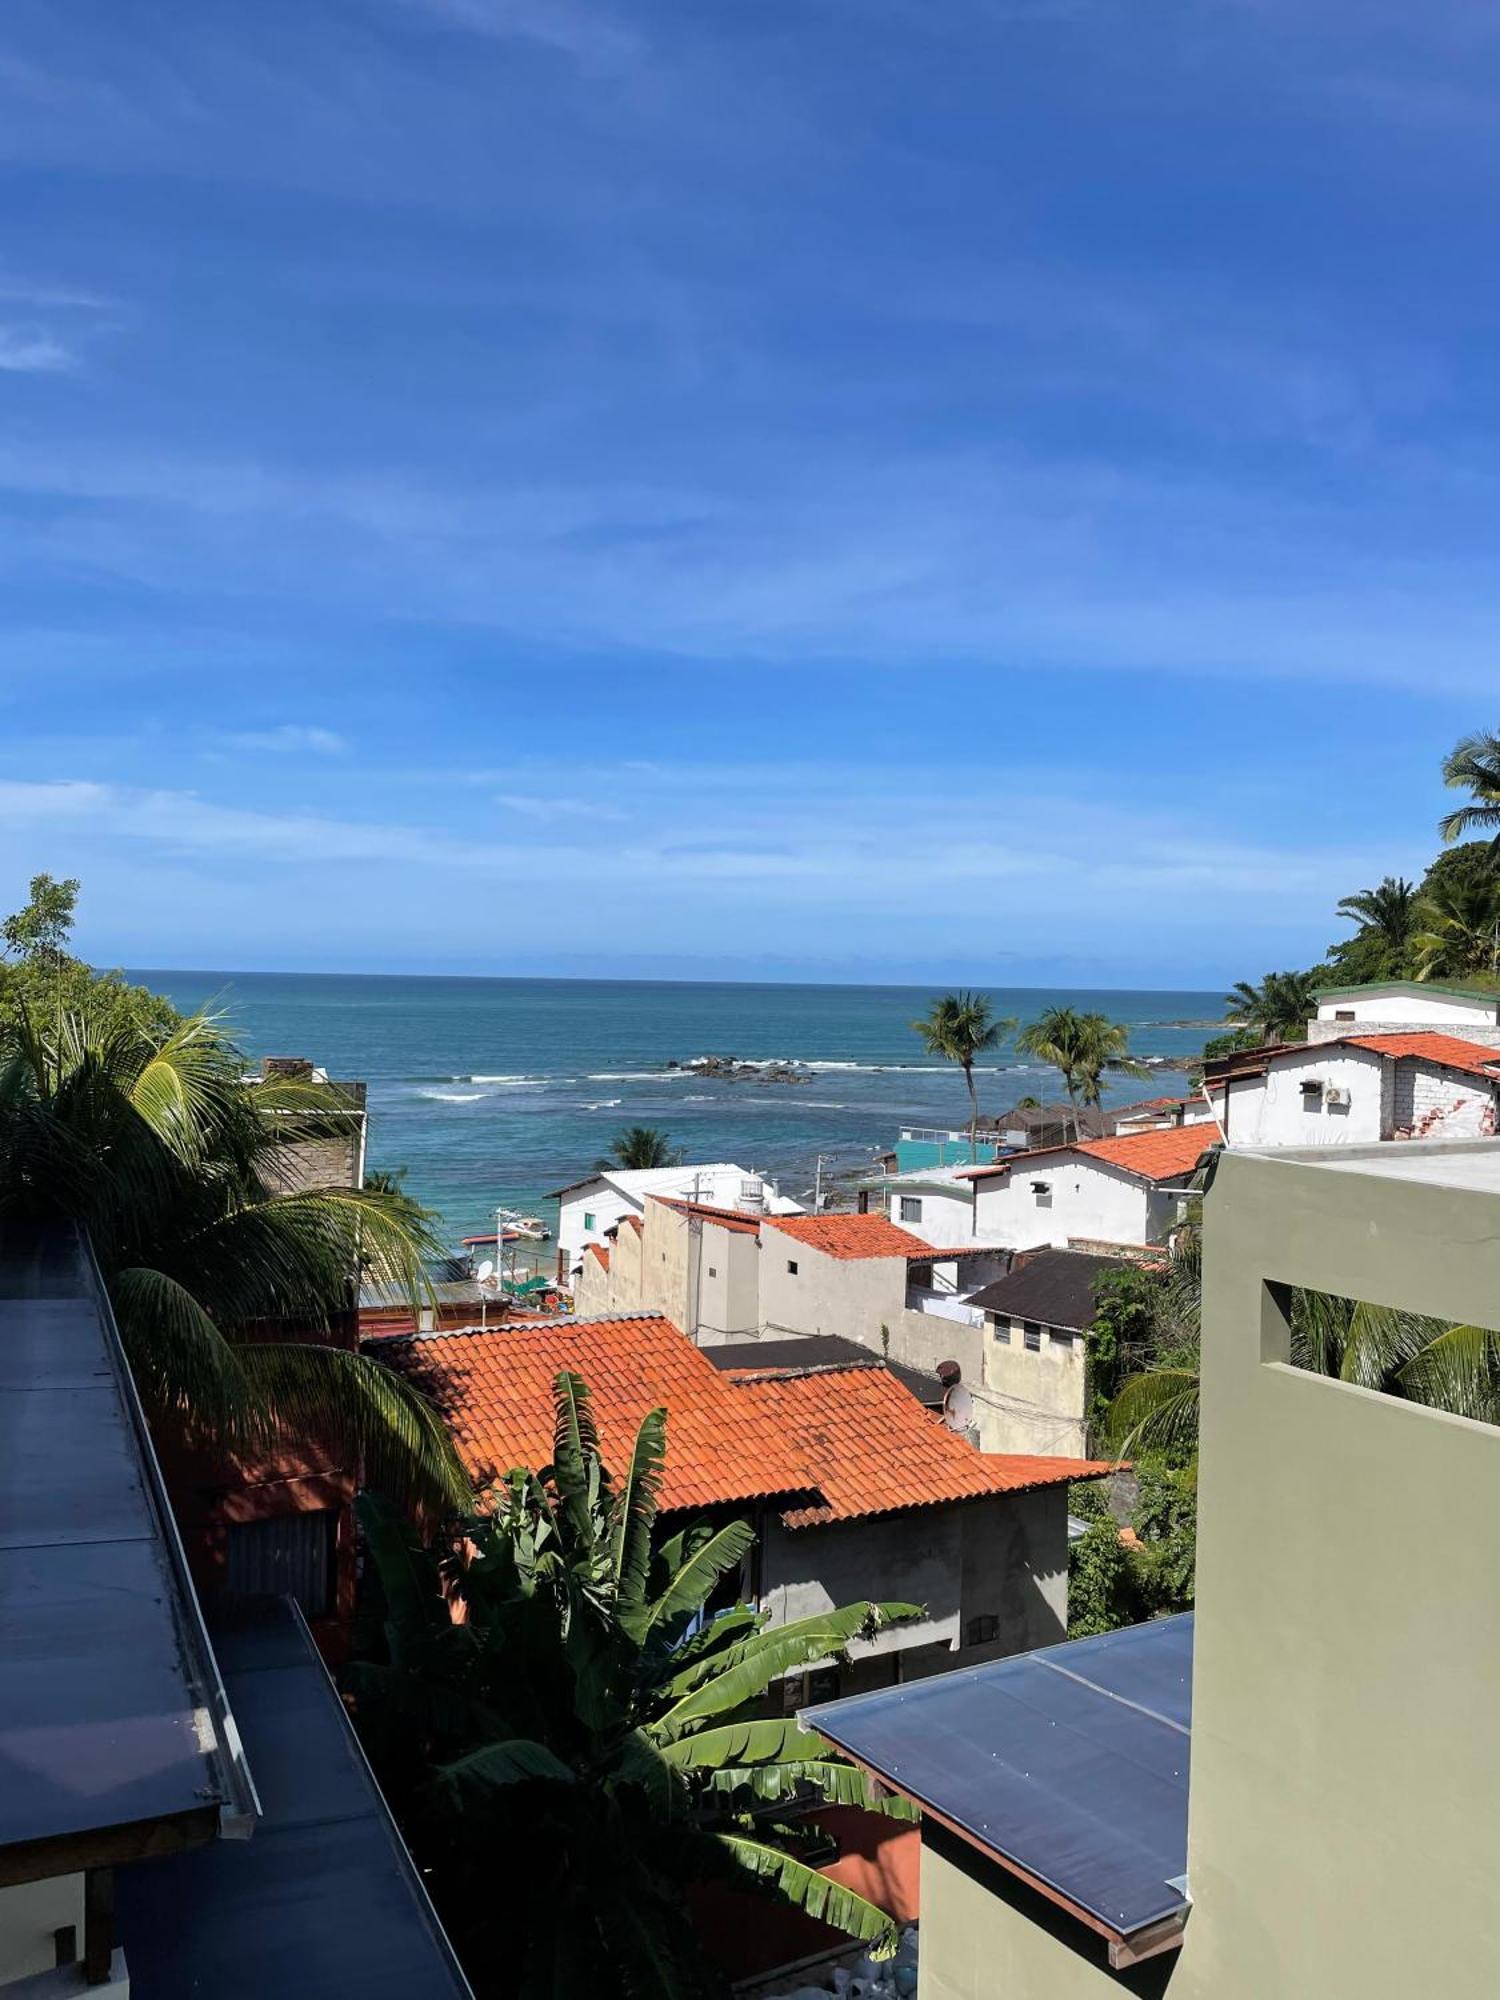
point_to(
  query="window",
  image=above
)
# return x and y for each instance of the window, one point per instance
(791, 1267)
(1060, 1337)
(981, 1631)
(911, 1208)
(1043, 1192)
(1343, 1014)
(588, 1220)
(1033, 1332)
(290, 1555)
(1002, 1330)
(713, 1271)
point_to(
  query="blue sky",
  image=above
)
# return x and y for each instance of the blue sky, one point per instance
(849, 488)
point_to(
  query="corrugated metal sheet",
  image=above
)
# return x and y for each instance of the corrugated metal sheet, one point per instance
(324, 1902)
(1070, 1763)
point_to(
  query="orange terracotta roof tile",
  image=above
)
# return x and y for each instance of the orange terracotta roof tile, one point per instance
(495, 1387)
(632, 1222)
(733, 1219)
(1447, 1051)
(872, 1449)
(847, 1236)
(1152, 1156)
(601, 1253)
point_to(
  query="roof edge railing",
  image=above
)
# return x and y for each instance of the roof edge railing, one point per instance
(241, 1807)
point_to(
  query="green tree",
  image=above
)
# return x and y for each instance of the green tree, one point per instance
(1081, 1048)
(1381, 946)
(1458, 931)
(1279, 1008)
(960, 1028)
(589, 1714)
(638, 1146)
(42, 980)
(40, 931)
(153, 1141)
(1124, 1322)
(1473, 766)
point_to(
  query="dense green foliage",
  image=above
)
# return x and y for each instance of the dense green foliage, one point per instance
(1147, 1573)
(218, 1269)
(1445, 927)
(40, 979)
(960, 1028)
(587, 1744)
(1123, 1323)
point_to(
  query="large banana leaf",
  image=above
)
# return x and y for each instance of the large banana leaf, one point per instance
(769, 1741)
(632, 1519)
(837, 1785)
(575, 1458)
(691, 1584)
(517, 1761)
(748, 1669)
(816, 1894)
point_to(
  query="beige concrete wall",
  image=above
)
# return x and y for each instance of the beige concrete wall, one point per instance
(31, 1913)
(854, 1296)
(1033, 1401)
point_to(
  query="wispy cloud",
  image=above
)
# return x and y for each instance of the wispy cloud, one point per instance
(291, 738)
(26, 350)
(545, 810)
(584, 32)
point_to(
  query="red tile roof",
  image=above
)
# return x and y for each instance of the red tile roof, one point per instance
(733, 1219)
(601, 1253)
(847, 1236)
(1448, 1051)
(872, 1449)
(838, 1445)
(1156, 1156)
(632, 1222)
(496, 1389)
(1152, 1156)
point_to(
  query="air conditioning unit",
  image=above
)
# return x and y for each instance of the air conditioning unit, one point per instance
(1335, 1093)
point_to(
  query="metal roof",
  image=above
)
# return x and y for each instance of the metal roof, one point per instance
(809, 1352)
(1068, 1765)
(1053, 1286)
(325, 1899)
(112, 1715)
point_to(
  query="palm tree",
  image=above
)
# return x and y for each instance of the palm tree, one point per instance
(1081, 1048)
(1422, 1360)
(1280, 1006)
(1458, 928)
(1103, 1047)
(1386, 917)
(638, 1146)
(1473, 765)
(152, 1140)
(588, 1715)
(959, 1028)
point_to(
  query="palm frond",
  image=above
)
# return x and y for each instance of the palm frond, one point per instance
(769, 1741)
(377, 1419)
(836, 1784)
(575, 1456)
(1155, 1410)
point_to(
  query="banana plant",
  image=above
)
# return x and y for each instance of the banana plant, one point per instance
(584, 1742)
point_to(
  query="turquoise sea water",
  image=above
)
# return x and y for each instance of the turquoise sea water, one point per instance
(499, 1090)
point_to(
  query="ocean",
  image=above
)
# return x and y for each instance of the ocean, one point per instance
(493, 1091)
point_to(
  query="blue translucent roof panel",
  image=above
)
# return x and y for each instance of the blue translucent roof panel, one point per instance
(110, 1709)
(1070, 1763)
(323, 1901)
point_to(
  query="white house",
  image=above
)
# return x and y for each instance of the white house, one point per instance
(935, 1203)
(1357, 1090)
(1129, 1190)
(589, 1209)
(1407, 1004)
